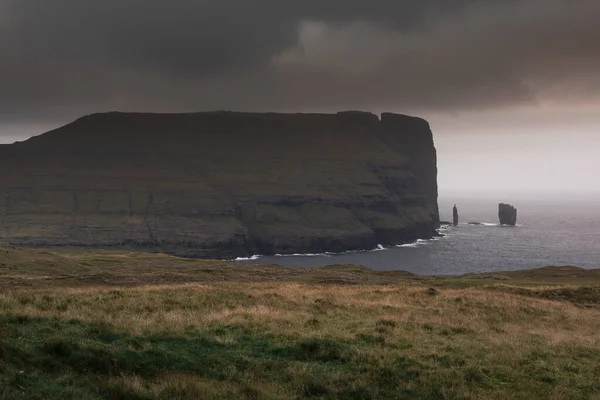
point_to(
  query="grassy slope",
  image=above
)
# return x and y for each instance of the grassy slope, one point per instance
(138, 326)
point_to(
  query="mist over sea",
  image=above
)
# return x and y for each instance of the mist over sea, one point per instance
(549, 233)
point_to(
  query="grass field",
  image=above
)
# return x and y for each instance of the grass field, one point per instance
(113, 325)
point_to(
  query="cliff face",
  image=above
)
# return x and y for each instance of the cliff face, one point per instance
(222, 184)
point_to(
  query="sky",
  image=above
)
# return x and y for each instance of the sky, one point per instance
(511, 87)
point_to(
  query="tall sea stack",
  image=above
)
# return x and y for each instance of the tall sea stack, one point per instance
(454, 215)
(507, 214)
(222, 184)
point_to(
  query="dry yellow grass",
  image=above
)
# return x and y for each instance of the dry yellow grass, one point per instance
(170, 308)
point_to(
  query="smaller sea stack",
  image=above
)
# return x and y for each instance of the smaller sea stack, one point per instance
(455, 216)
(507, 214)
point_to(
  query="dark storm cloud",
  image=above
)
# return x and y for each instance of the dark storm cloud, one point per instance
(66, 57)
(180, 36)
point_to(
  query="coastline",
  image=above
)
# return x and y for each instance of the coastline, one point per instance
(130, 268)
(379, 247)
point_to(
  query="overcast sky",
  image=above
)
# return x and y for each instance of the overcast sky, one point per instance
(511, 87)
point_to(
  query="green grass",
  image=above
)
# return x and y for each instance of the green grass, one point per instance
(49, 358)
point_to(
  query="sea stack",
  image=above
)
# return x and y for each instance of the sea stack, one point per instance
(507, 214)
(455, 216)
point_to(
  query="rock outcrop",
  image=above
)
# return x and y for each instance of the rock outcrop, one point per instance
(454, 215)
(222, 184)
(507, 214)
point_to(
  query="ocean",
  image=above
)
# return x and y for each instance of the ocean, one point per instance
(548, 233)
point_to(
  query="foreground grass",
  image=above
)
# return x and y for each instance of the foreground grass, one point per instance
(69, 330)
(281, 341)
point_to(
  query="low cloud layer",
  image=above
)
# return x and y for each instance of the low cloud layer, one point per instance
(67, 57)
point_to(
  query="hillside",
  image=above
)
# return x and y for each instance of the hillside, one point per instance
(222, 184)
(118, 325)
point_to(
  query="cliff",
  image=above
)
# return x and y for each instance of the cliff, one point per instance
(222, 184)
